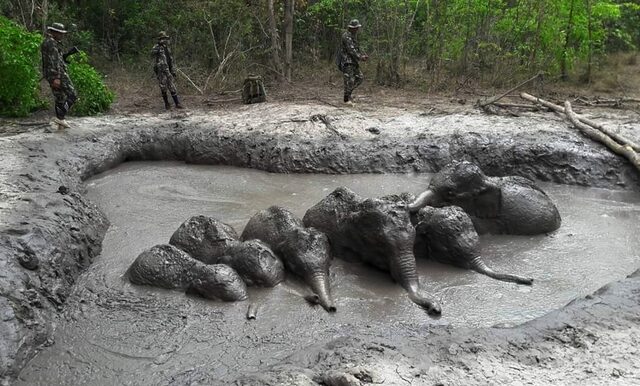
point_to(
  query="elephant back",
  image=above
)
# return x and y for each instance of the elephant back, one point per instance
(204, 238)
(271, 225)
(529, 202)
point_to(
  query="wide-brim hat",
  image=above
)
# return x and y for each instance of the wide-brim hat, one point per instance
(354, 24)
(163, 35)
(57, 27)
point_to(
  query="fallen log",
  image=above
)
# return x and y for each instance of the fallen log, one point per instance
(516, 106)
(598, 126)
(601, 137)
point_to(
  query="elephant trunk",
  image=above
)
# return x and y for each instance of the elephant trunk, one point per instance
(319, 284)
(479, 266)
(405, 272)
(428, 197)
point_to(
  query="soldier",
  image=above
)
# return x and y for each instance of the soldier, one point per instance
(54, 70)
(165, 72)
(349, 59)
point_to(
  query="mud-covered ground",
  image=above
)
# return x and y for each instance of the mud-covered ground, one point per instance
(50, 233)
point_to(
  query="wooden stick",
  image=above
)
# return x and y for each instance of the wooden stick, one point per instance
(517, 106)
(601, 137)
(618, 137)
(190, 81)
(497, 98)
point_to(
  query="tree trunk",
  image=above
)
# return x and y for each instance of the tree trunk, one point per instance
(587, 76)
(288, 37)
(563, 64)
(275, 41)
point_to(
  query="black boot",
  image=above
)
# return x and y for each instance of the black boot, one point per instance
(177, 101)
(167, 105)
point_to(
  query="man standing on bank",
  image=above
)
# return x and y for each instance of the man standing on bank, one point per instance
(54, 70)
(165, 72)
(350, 57)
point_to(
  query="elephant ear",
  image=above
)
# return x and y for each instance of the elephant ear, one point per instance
(488, 203)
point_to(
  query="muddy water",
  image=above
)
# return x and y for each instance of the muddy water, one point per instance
(116, 333)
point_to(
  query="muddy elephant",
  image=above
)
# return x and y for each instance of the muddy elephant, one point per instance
(447, 235)
(375, 231)
(255, 262)
(204, 238)
(304, 251)
(509, 205)
(166, 266)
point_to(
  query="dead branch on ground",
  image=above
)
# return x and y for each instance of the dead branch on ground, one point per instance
(190, 81)
(497, 98)
(618, 137)
(324, 119)
(599, 136)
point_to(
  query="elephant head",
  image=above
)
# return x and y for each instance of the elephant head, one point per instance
(376, 231)
(166, 266)
(304, 252)
(511, 205)
(447, 235)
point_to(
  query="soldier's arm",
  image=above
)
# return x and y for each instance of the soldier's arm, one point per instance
(351, 47)
(170, 61)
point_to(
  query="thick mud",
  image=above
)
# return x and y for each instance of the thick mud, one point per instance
(146, 202)
(50, 233)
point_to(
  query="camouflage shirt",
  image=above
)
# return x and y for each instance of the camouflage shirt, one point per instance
(53, 65)
(163, 61)
(350, 51)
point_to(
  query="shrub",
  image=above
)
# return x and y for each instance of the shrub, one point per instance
(94, 96)
(19, 75)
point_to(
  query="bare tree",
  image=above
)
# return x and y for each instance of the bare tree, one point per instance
(288, 37)
(275, 40)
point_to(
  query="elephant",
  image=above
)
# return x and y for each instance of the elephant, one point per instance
(376, 231)
(502, 205)
(304, 251)
(447, 235)
(255, 262)
(204, 238)
(166, 266)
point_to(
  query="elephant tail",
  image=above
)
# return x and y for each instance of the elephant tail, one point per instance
(322, 293)
(479, 266)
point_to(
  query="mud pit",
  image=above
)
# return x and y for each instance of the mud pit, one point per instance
(593, 340)
(146, 202)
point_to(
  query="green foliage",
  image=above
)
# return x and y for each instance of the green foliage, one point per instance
(19, 76)
(94, 96)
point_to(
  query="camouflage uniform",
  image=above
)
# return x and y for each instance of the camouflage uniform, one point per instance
(349, 63)
(163, 67)
(54, 67)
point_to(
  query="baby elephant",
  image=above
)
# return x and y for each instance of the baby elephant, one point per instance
(304, 251)
(447, 235)
(166, 266)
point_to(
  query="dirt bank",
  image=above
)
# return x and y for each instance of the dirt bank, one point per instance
(49, 233)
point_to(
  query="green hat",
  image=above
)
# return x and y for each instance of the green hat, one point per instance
(163, 35)
(57, 27)
(354, 24)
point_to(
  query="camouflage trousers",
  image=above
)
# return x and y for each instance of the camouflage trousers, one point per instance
(65, 96)
(166, 82)
(352, 78)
